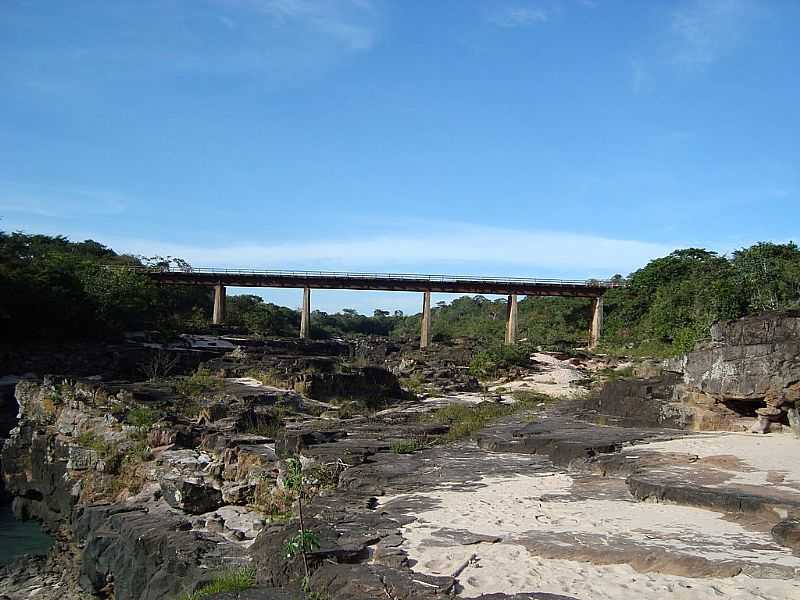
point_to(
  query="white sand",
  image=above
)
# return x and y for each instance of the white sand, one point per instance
(513, 508)
(556, 378)
(758, 454)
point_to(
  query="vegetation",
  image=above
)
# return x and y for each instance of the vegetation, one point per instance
(142, 417)
(409, 446)
(465, 420)
(499, 357)
(232, 581)
(199, 383)
(53, 288)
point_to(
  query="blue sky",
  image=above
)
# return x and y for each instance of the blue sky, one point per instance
(553, 138)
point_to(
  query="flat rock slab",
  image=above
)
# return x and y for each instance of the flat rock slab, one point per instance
(564, 440)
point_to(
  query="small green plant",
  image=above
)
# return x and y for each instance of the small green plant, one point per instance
(414, 383)
(138, 453)
(293, 481)
(200, 383)
(92, 441)
(303, 542)
(234, 580)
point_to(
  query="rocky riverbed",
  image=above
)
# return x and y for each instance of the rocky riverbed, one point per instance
(154, 485)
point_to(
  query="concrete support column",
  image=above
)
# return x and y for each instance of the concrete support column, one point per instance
(425, 333)
(597, 323)
(511, 320)
(305, 315)
(219, 304)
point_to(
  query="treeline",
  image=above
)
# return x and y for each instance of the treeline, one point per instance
(51, 288)
(672, 302)
(54, 289)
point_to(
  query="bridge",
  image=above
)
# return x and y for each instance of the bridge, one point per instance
(219, 279)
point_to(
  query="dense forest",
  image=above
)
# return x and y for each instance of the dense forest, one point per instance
(52, 288)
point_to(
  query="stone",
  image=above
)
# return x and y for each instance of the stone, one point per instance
(746, 359)
(787, 533)
(238, 493)
(761, 425)
(768, 411)
(192, 496)
(238, 519)
(82, 459)
(794, 421)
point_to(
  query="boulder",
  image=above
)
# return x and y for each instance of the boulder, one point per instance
(193, 496)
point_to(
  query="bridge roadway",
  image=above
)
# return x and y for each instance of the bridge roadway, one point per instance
(219, 279)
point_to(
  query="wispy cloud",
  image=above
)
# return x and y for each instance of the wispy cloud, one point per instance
(52, 202)
(348, 22)
(489, 249)
(704, 31)
(519, 16)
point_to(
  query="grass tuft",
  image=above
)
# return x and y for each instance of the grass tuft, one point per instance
(234, 580)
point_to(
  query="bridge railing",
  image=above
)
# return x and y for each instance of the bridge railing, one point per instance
(605, 283)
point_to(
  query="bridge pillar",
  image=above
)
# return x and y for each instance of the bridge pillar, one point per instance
(305, 315)
(597, 323)
(219, 304)
(425, 333)
(511, 320)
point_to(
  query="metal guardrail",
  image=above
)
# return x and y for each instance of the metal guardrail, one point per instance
(456, 279)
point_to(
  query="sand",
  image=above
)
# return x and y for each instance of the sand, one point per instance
(757, 455)
(554, 377)
(522, 508)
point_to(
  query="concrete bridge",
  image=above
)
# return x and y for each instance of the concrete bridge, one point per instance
(219, 279)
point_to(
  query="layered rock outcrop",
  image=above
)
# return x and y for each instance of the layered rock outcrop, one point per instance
(750, 365)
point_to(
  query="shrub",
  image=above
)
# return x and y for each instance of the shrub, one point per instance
(142, 417)
(490, 362)
(200, 383)
(301, 543)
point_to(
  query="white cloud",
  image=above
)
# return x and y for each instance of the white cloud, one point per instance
(703, 31)
(513, 17)
(493, 251)
(350, 23)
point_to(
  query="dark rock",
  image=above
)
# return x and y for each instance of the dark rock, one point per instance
(679, 489)
(787, 533)
(146, 556)
(565, 441)
(368, 582)
(195, 497)
(257, 593)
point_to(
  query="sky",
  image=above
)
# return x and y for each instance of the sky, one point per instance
(540, 138)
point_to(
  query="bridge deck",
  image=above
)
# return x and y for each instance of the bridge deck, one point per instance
(383, 281)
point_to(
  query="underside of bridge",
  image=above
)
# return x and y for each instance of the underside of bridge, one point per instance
(512, 287)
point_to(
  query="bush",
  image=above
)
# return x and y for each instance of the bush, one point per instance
(491, 362)
(142, 417)
(200, 383)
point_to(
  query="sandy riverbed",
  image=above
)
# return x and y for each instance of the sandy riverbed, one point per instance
(523, 509)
